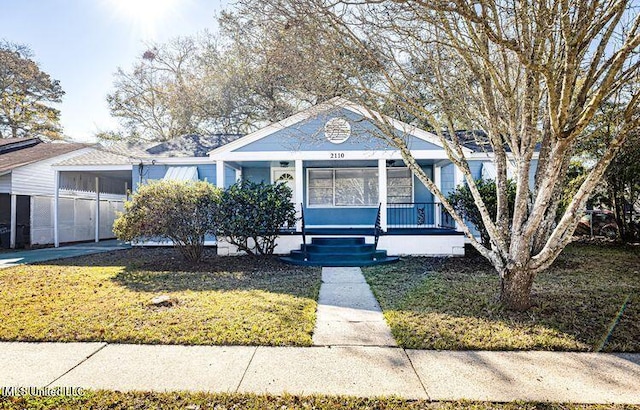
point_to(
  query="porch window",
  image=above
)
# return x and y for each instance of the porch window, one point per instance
(348, 187)
(399, 185)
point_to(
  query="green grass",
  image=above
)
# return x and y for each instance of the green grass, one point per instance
(106, 297)
(433, 303)
(223, 401)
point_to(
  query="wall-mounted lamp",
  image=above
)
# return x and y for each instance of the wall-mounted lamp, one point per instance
(390, 162)
(284, 164)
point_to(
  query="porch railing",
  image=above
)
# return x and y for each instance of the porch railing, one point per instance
(377, 228)
(418, 215)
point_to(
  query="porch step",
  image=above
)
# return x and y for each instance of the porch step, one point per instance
(341, 263)
(338, 241)
(343, 256)
(341, 251)
(364, 248)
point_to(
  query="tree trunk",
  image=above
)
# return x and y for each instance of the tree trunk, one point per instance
(515, 289)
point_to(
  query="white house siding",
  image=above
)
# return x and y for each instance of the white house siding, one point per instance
(39, 178)
(5, 183)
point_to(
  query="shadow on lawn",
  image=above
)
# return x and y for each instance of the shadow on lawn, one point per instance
(588, 300)
(164, 270)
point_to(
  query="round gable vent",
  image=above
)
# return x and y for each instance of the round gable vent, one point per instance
(337, 130)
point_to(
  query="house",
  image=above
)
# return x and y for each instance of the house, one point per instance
(27, 195)
(347, 180)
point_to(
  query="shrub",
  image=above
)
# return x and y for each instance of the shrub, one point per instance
(251, 215)
(462, 200)
(183, 212)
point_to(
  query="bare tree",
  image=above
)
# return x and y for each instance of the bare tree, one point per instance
(154, 99)
(237, 81)
(530, 74)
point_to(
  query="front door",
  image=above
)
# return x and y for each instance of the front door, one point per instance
(285, 176)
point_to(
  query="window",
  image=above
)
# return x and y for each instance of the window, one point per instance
(353, 187)
(320, 187)
(399, 185)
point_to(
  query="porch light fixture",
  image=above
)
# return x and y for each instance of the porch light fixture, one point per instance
(284, 164)
(390, 162)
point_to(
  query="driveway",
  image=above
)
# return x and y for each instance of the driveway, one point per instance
(21, 257)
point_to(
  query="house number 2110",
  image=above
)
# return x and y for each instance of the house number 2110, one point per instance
(336, 155)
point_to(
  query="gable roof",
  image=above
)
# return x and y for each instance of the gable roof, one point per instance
(316, 110)
(21, 152)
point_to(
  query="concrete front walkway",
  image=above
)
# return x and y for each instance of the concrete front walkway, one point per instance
(345, 370)
(348, 313)
(21, 257)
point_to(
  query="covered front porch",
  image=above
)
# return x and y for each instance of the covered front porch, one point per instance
(379, 200)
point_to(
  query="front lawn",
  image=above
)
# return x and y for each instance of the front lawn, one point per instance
(589, 300)
(219, 401)
(107, 297)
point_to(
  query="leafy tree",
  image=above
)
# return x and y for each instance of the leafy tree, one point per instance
(251, 215)
(26, 95)
(462, 201)
(531, 75)
(623, 188)
(620, 187)
(183, 212)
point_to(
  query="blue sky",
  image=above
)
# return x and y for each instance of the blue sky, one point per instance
(82, 42)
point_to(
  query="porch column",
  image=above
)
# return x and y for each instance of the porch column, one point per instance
(97, 209)
(437, 179)
(459, 180)
(220, 174)
(56, 201)
(14, 226)
(382, 192)
(298, 195)
(238, 174)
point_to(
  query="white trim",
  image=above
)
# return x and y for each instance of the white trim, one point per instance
(437, 180)
(97, 219)
(382, 192)
(92, 167)
(360, 155)
(220, 174)
(56, 201)
(14, 225)
(370, 155)
(299, 193)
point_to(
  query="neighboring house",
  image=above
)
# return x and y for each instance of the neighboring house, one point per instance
(28, 194)
(183, 158)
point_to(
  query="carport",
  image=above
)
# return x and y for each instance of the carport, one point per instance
(89, 192)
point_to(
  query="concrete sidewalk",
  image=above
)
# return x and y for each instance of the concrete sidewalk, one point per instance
(348, 313)
(21, 257)
(345, 370)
